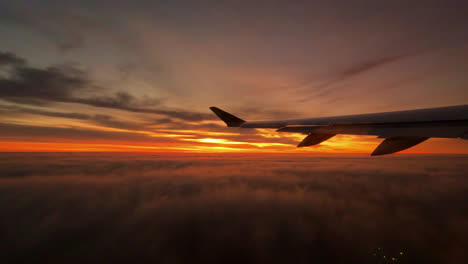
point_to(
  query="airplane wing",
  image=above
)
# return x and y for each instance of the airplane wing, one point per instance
(400, 129)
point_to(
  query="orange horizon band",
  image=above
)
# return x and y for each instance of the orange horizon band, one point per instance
(192, 147)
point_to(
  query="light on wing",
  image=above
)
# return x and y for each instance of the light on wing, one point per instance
(395, 144)
(314, 139)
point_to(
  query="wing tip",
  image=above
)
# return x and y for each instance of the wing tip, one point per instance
(230, 119)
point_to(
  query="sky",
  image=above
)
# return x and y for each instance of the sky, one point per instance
(140, 75)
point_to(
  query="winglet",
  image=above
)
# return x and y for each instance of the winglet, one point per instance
(230, 120)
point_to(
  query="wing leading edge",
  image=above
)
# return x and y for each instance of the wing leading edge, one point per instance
(401, 129)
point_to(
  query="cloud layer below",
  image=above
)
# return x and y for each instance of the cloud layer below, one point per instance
(94, 208)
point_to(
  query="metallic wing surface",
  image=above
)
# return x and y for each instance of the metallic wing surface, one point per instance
(400, 129)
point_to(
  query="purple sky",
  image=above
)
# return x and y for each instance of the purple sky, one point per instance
(261, 59)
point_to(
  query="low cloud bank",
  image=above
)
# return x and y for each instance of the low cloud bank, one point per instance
(95, 208)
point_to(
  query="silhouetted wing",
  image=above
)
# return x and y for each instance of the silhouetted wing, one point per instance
(440, 129)
(398, 136)
(401, 129)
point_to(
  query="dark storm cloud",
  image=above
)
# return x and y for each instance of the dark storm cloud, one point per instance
(232, 209)
(63, 84)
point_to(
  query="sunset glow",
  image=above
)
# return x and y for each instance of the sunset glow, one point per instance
(243, 131)
(85, 136)
(82, 80)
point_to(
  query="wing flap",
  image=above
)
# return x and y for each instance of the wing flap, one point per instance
(314, 139)
(395, 144)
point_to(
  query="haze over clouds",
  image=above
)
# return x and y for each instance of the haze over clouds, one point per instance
(115, 75)
(94, 208)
